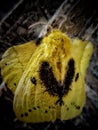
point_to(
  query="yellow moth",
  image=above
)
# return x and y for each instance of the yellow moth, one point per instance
(47, 79)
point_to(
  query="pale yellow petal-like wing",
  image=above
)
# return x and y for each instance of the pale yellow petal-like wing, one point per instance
(81, 52)
(13, 63)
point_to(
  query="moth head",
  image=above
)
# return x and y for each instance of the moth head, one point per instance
(57, 41)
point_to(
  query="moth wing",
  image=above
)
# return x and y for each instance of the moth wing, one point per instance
(86, 57)
(35, 104)
(75, 99)
(82, 51)
(13, 63)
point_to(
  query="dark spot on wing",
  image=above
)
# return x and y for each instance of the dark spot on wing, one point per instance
(67, 108)
(46, 111)
(38, 106)
(22, 115)
(5, 63)
(29, 110)
(53, 87)
(14, 84)
(33, 80)
(76, 77)
(26, 114)
(34, 108)
(69, 76)
(48, 79)
(49, 107)
(76, 106)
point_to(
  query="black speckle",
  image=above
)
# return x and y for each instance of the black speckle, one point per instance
(34, 108)
(67, 108)
(38, 106)
(26, 114)
(22, 115)
(77, 107)
(14, 84)
(33, 80)
(76, 77)
(46, 111)
(49, 107)
(5, 63)
(29, 110)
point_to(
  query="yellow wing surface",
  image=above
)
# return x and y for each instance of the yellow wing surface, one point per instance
(14, 61)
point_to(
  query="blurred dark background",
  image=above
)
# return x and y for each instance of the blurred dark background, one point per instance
(83, 19)
(6, 6)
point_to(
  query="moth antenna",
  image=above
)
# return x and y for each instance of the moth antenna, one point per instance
(63, 21)
(32, 26)
(35, 24)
